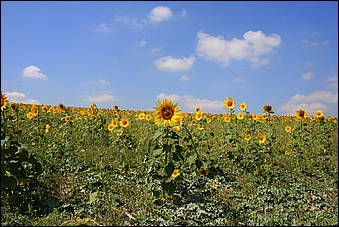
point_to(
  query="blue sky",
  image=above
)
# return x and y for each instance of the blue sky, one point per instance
(133, 54)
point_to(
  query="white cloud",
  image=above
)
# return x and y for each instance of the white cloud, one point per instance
(141, 43)
(238, 80)
(156, 50)
(18, 97)
(188, 103)
(251, 47)
(315, 43)
(160, 13)
(104, 82)
(103, 27)
(323, 100)
(184, 78)
(331, 79)
(307, 76)
(174, 64)
(183, 13)
(309, 64)
(33, 72)
(100, 98)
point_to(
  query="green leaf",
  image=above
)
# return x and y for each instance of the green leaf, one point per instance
(191, 159)
(93, 197)
(157, 152)
(9, 181)
(168, 187)
(198, 163)
(169, 169)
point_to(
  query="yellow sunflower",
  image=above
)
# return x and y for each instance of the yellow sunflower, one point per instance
(166, 112)
(124, 122)
(47, 127)
(240, 115)
(229, 103)
(255, 116)
(198, 115)
(110, 127)
(175, 173)
(288, 128)
(200, 127)
(262, 139)
(243, 106)
(301, 114)
(248, 137)
(319, 113)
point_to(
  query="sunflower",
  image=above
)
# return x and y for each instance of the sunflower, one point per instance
(114, 122)
(267, 109)
(175, 173)
(240, 115)
(255, 116)
(262, 139)
(288, 152)
(197, 109)
(148, 117)
(248, 137)
(204, 172)
(198, 115)
(61, 106)
(229, 103)
(47, 127)
(200, 127)
(227, 119)
(319, 113)
(124, 122)
(67, 118)
(288, 128)
(141, 116)
(301, 114)
(243, 106)
(30, 115)
(110, 127)
(120, 133)
(166, 112)
(4, 101)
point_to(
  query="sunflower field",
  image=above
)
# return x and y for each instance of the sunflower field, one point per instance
(70, 166)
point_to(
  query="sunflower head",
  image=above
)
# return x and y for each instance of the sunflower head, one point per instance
(229, 103)
(262, 139)
(267, 109)
(166, 112)
(301, 114)
(243, 106)
(319, 113)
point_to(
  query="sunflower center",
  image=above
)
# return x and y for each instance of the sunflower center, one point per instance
(167, 112)
(230, 103)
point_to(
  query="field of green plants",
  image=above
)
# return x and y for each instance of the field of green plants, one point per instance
(75, 166)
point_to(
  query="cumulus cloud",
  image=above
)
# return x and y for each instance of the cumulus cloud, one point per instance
(33, 72)
(100, 98)
(323, 100)
(188, 103)
(160, 13)
(184, 78)
(332, 82)
(174, 64)
(307, 76)
(19, 97)
(251, 47)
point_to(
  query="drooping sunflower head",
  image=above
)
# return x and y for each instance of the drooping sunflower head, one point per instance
(229, 103)
(166, 112)
(301, 114)
(267, 109)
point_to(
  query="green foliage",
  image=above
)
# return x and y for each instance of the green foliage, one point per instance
(80, 173)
